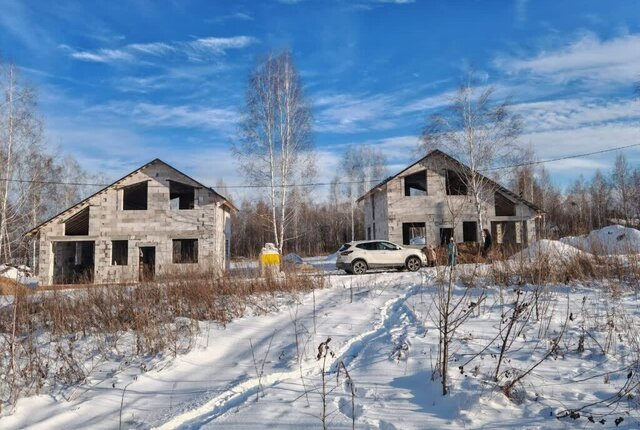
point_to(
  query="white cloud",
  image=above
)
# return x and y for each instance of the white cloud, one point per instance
(195, 50)
(588, 58)
(569, 141)
(352, 113)
(157, 48)
(346, 113)
(578, 164)
(219, 45)
(181, 75)
(521, 11)
(102, 55)
(16, 20)
(398, 148)
(115, 149)
(427, 103)
(575, 113)
(222, 120)
(240, 16)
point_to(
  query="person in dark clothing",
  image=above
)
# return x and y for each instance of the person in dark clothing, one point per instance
(488, 241)
(452, 252)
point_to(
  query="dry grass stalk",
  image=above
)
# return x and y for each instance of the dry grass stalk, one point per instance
(161, 317)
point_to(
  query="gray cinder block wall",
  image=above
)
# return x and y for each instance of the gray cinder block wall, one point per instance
(157, 226)
(386, 208)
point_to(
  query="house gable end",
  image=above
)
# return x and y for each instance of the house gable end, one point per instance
(148, 172)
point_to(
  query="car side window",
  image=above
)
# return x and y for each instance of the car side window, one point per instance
(386, 246)
(369, 246)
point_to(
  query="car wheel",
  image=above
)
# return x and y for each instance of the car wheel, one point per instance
(413, 264)
(359, 267)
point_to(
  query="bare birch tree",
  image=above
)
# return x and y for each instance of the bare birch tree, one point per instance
(361, 167)
(621, 181)
(276, 145)
(479, 133)
(20, 132)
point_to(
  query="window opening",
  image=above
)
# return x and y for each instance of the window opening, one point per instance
(416, 185)
(119, 252)
(181, 196)
(134, 197)
(185, 251)
(455, 184)
(414, 233)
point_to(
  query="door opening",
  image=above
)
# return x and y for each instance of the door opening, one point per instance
(147, 266)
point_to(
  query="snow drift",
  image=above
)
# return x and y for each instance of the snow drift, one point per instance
(14, 272)
(553, 249)
(611, 240)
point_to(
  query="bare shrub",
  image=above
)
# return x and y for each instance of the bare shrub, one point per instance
(39, 329)
(451, 312)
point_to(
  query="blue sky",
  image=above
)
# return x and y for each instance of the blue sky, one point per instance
(123, 82)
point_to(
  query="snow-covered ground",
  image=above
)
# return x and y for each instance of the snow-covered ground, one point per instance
(261, 371)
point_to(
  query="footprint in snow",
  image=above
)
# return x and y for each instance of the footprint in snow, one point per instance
(344, 406)
(384, 425)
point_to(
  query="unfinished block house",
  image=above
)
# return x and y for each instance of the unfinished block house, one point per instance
(155, 220)
(428, 202)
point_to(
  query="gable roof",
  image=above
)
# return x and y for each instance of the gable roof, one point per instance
(225, 201)
(452, 160)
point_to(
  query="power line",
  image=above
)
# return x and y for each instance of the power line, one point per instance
(566, 157)
(30, 181)
(317, 184)
(311, 184)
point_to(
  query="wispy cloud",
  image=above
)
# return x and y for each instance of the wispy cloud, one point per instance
(576, 113)
(194, 50)
(352, 113)
(399, 150)
(346, 113)
(521, 11)
(562, 142)
(396, 1)
(427, 103)
(222, 120)
(587, 58)
(239, 16)
(16, 20)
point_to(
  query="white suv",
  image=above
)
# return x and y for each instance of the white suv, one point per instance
(359, 256)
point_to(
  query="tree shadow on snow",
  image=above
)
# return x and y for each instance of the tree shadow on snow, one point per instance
(427, 395)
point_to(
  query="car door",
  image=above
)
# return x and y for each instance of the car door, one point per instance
(367, 252)
(388, 254)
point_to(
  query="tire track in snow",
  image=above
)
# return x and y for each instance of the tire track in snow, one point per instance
(404, 318)
(240, 393)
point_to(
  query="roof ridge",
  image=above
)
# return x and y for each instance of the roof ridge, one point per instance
(440, 152)
(113, 184)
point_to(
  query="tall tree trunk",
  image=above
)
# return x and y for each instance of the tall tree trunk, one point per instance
(4, 233)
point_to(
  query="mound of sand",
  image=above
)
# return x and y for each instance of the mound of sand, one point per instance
(611, 240)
